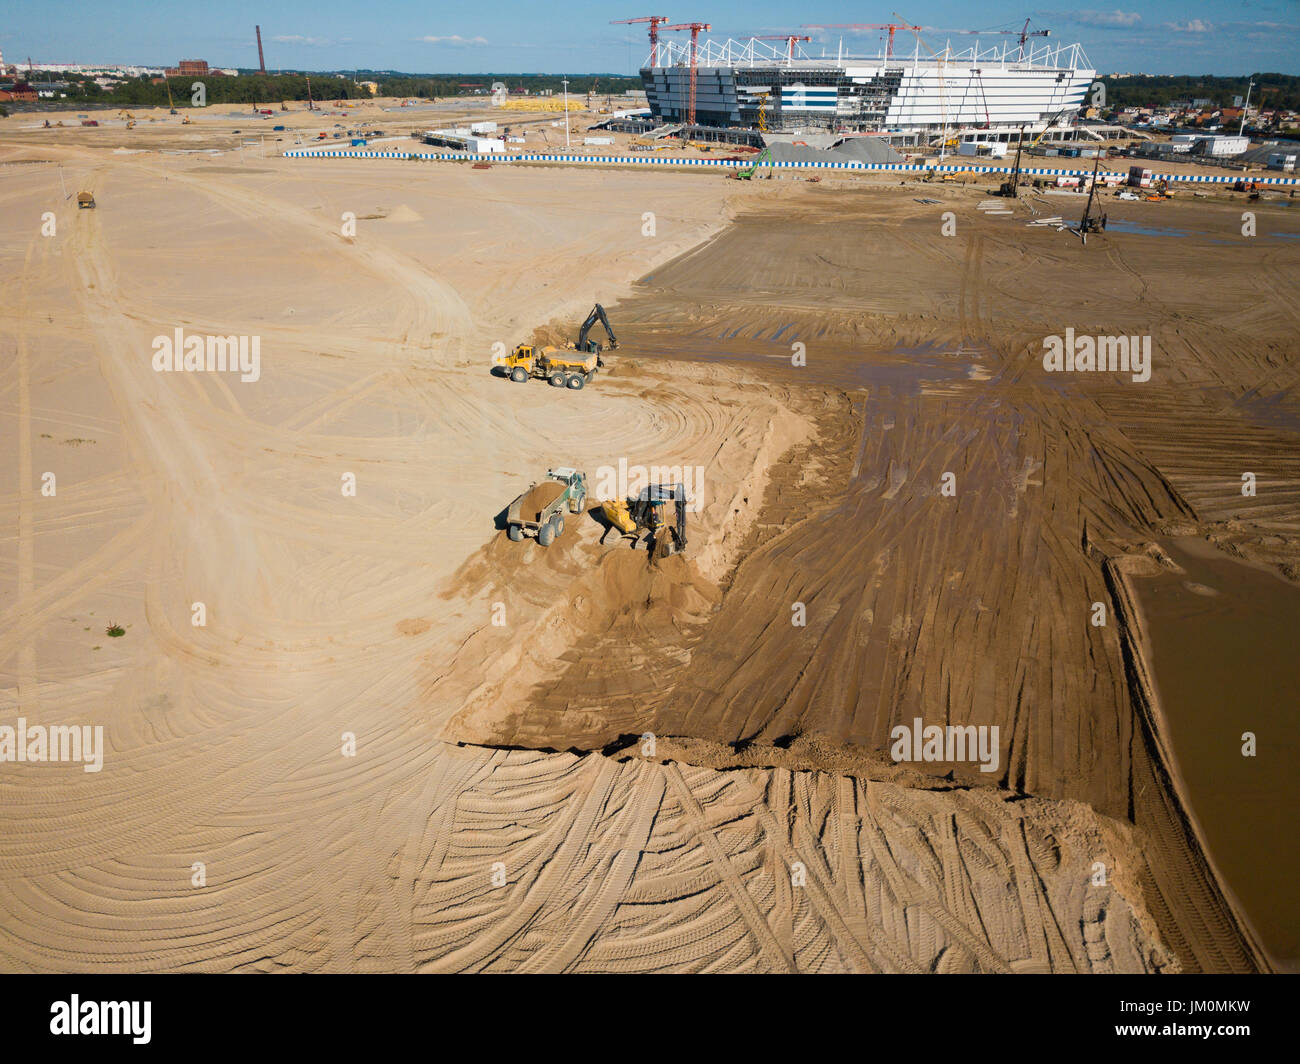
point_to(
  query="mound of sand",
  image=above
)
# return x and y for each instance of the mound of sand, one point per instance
(404, 214)
(539, 497)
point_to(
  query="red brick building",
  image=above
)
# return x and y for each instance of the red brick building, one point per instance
(191, 68)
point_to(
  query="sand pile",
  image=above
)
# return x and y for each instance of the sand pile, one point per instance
(404, 214)
(539, 497)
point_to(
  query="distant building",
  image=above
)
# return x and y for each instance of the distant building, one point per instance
(192, 68)
(19, 92)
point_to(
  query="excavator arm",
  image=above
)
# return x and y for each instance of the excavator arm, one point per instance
(597, 315)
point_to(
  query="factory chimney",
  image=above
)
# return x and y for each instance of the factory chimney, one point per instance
(261, 60)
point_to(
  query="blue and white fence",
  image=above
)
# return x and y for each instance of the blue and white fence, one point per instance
(848, 164)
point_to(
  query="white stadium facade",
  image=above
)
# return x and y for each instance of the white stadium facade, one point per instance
(998, 89)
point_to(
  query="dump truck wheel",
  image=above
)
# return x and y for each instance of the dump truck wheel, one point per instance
(515, 533)
(545, 535)
(558, 522)
(577, 381)
(577, 503)
(519, 375)
(557, 379)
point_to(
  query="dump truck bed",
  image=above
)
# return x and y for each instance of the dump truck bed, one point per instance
(561, 358)
(536, 506)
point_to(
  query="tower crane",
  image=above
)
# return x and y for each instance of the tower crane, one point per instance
(694, 28)
(890, 26)
(1022, 35)
(655, 21)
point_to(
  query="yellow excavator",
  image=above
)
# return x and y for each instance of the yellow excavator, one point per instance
(658, 513)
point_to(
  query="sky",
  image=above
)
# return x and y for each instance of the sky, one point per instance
(575, 36)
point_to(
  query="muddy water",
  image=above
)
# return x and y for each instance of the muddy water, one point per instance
(1223, 643)
(899, 371)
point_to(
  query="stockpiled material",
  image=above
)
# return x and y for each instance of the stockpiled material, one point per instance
(539, 498)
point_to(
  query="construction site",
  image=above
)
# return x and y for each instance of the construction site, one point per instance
(558, 556)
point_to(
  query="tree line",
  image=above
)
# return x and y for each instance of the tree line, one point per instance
(269, 88)
(1271, 91)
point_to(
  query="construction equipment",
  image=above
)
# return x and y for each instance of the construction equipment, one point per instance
(85, 201)
(747, 173)
(657, 517)
(890, 26)
(540, 510)
(561, 368)
(1088, 223)
(655, 22)
(1010, 187)
(694, 28)
(593, 347)
(171, 104)
(1024, 33)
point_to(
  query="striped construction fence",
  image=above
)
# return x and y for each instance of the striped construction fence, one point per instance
(848, 164)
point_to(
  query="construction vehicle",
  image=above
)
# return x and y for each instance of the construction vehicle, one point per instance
(747, 173)
(571, 366)
(1010, 187)
(559, 366)
(85, 201)
(593, 347)
(540, 510)
(658, 514)
(1091, 223)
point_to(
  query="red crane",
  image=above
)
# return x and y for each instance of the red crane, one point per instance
(1022, 34)
(890, 26)
(695, 28)
(654, 21)
(789, 38)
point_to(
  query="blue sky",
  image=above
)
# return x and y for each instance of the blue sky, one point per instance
(1159, 36)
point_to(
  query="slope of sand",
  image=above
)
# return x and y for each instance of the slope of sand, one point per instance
(233, 827)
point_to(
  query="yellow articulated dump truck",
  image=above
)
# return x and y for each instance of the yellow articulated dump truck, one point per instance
(562, 368)
(571, 366)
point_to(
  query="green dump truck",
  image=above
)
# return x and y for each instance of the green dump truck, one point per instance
(540, 510)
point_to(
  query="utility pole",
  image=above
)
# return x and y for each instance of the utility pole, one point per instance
(566, 112)
(1244, 108)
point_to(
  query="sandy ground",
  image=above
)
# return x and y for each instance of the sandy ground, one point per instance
(400, 620)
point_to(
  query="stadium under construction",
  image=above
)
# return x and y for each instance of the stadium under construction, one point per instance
(977, 93)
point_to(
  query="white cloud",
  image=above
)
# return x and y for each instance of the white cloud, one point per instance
(455, 39)
(295, 38)
(1196, 25)
(1105, 18)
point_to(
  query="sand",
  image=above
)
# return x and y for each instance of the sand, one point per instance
(317, 778)
(539, 498)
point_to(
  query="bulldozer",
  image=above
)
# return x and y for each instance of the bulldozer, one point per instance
(656, 517)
